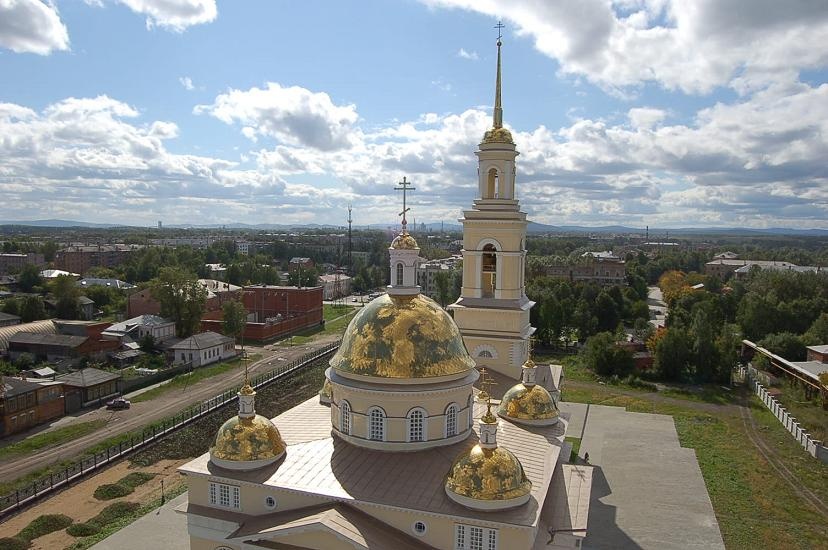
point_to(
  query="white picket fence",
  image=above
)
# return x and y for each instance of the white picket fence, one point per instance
(813, 447)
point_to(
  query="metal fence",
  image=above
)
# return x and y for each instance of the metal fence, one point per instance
(45, 485)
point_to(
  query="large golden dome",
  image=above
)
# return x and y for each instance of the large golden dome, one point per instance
(489, 475)
(247, 440)
(402, 338)
(531, 404)
(498, 135)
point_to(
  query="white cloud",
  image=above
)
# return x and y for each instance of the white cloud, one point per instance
(186, 82)
(174, 15)
(467, 55)
(293, 115)
(691, 46)
(31, 26)
(646, 117)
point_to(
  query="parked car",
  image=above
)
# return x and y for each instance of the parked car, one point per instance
(118, 403)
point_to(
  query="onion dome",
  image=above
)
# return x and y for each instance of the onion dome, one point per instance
(404, 241)
(326, 392)
(498, 135)
(488, 477)
(247, 441)
(527, 403)
(402, 339)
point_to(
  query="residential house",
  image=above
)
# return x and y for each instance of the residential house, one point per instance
(135, 329)
(45, 347)
(40, 327)
(300, 264)
(203, 349)
(335, 286)
(14, 263)
(26, 403)
(109, 283)
(7, 319)
(89, 387)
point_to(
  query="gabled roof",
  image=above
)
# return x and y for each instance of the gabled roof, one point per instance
(87, 377)
(141, 321)
(8, 316)
(201, 341)
(35, 338)
(355, 526)
(41, 327)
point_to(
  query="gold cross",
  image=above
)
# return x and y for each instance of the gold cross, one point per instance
(499, 26)
(404, 187)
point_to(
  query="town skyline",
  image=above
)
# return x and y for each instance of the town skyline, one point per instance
(628, 114)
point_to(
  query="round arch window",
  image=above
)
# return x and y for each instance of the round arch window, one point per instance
(270, 502)
(419, 528)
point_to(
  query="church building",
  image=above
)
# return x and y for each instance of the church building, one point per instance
(400, 450)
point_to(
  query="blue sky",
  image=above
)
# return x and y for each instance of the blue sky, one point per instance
(634, 112)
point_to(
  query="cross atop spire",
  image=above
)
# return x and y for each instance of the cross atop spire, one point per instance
(404, 187)
(498, 109)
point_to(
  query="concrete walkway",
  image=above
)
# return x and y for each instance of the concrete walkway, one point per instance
(163, 528)
(647, 491)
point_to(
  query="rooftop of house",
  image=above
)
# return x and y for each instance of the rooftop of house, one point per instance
(819, 349)
(129, 325)
(201, 341)
(111, 283)
(15, 386)
(46, 339)
(43, 327)
(87, 377)
(8, 317)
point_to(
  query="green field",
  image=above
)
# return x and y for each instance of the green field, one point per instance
(48, 439)
(183, 381)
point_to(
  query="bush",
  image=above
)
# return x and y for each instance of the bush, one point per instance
(135, 479)
(14, 543)
(112, 490)
(83, 529)
(114, 512)
(637, 382)
(43, 525)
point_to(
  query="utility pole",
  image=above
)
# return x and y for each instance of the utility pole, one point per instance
(350, 244)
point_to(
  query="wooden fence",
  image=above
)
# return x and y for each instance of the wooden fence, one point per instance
(45, 485)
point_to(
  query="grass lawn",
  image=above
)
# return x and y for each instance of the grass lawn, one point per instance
(182, 381)
(808, 412)
(330, 311)
(47, 439)
(754, 506)
(576, 446)
(338, 324)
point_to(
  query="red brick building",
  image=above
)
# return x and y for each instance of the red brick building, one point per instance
(276, 311)
(78, 259)
(24, 403)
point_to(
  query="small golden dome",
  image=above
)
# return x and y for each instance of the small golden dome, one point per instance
(498, 135)
(253, 439)
(528, 404)
(404, 241)
(326, 392)
(488, 475)
(402, 338)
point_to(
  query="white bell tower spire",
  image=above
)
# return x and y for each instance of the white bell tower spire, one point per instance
(493, 310)
(404, 252)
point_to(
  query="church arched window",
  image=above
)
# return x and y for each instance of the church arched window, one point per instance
(489, 267)
(376, 424)
(345, 417)
(399, 274)
(416, 425)
(451, 420)
(485, 353)
(491, 184)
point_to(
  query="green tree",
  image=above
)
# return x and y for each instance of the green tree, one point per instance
(147, 343)
(441, 281)
(606, 311)
(182, 299)
(706, 360)
(66, 294)
(785, 344)
(29, 278)
(817, 334)
(673, 354)
(303, 277)
(12, 306)
(235, 317)
(604, 357)
(31, 309)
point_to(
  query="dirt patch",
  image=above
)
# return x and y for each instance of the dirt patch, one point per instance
(78, 503)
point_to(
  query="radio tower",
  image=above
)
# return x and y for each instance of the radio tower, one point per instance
(350, 243)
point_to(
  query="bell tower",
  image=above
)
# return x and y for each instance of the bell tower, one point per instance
(493, 310)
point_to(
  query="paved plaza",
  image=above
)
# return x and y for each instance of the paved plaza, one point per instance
(163, 528)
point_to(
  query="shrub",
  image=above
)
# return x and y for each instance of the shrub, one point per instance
(112, 490)
(135, 479)
(83, 529)
(114, 512)
(43, 525)
(14, 543)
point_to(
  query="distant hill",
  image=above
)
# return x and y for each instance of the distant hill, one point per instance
(534, 227)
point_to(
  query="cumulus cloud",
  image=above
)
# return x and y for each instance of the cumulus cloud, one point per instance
(31, 26)
(467, 55)
(690, 46)
(174, 15)
(293, 115)
(186, 82)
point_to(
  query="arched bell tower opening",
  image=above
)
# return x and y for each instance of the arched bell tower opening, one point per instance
(488, 277)
(492, 184)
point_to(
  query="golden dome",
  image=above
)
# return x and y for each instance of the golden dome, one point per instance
(498, 135)
(488, 474)
(402, 338)
(250, 439)
(404, 241)
(528, 403)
